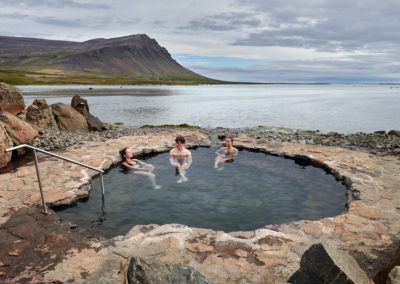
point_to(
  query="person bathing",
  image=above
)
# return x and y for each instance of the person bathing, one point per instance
(226, 154)
(180, 158)
(138, 167)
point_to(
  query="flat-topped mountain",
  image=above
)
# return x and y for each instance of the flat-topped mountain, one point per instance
(129, 59)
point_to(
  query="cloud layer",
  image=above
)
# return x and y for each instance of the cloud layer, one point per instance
(283, 41)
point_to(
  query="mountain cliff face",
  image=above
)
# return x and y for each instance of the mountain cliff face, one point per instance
(135, 57)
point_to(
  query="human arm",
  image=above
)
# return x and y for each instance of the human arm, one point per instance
(218, 152)
(128, 166)
(189, 160)
(139, 161)
(172, 161)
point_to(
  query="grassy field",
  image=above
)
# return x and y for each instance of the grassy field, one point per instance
(61, 77)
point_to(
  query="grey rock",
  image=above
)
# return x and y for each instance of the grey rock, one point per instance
(11, 99)
(323, 263)
(68, 118)
(41, 115)
(82, 106)
(394, 132)
(394, 276)
(152, 271)
(5, 142)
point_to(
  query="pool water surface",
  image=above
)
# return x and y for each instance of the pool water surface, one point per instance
(253, 191)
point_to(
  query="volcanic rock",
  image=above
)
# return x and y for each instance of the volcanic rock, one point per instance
(151, 270)
(11, 99)
(41, 115)
(82, 107)
(68, 118)
(394, 132)
(323, 263)
(5, 142)
(21, 132)
(394, 275)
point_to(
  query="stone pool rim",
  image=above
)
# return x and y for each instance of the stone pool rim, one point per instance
(298, 162)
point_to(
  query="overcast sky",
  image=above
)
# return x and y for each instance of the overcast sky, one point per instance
(338, 41)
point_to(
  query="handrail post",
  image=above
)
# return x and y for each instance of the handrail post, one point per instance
(102, 184)
(45, 211)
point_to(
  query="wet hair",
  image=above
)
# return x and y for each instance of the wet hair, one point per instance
(122, 153)
(230, 137)
(180, 138)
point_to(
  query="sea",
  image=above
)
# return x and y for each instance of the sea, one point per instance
(323, 107)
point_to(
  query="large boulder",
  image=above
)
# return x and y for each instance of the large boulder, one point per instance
(151, 270)
(11, 99)
(41, 115)
(323, 263)
(68, 118)
(82, 106)
(394, 132)
(5, 142)
(20, 131)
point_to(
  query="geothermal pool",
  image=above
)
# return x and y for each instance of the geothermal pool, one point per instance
(253, 191)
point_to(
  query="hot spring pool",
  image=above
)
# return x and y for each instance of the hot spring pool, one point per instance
(253, 191)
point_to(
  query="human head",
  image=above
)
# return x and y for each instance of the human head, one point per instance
(123, 153)
(229, 139)
(180, 138)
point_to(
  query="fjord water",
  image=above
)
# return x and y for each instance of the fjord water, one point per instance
(339, 108)
(253, 191)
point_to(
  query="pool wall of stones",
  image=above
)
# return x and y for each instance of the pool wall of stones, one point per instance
(362, 242)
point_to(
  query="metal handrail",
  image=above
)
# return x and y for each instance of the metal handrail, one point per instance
(45, 210)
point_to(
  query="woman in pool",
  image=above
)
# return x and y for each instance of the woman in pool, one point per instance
(138, 167)
(180, 158)
(226, 154)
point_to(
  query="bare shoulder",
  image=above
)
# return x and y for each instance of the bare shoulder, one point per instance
(188, 152)
(172, 152)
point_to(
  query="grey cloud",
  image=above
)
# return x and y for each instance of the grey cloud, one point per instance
(83, 22)
(325, 25)
(73, 23)
(127, 22)
(53, 4)
(224, 22)
(13, 16)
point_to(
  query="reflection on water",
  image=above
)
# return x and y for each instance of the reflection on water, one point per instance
(254, 191)
(145, 111)
(340, 108)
